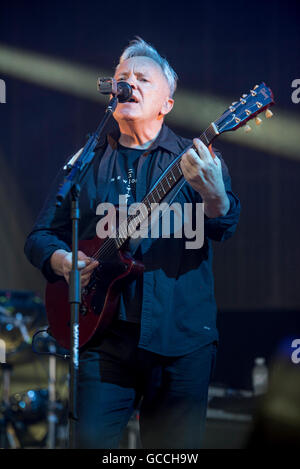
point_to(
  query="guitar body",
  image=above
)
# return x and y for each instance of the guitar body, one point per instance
(99, 300)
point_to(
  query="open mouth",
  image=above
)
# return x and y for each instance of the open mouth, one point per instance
(133, 100)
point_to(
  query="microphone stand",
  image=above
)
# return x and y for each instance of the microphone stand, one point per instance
(72, 184)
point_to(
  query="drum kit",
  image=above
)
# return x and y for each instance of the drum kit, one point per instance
(23, 332)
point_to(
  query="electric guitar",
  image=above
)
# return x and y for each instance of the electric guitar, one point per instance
(100, 299)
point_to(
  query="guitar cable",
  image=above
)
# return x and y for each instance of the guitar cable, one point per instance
(34, 349)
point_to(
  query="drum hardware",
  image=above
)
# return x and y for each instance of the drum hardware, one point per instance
(20, 314)
(52, 407)
(8, 434)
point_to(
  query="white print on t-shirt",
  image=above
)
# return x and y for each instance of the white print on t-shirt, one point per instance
(129, 183)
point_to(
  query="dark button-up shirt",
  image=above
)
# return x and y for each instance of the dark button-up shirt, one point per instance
(178, 305)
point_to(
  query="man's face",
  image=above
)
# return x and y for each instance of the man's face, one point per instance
(149, 89)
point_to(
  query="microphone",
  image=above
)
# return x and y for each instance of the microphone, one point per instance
(122, 90)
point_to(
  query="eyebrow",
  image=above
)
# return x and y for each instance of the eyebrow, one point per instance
(126, 74)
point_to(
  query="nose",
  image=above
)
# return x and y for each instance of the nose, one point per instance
(132, 81)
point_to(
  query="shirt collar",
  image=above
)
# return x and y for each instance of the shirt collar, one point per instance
(166, 140)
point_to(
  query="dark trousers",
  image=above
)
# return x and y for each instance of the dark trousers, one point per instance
(116, 377)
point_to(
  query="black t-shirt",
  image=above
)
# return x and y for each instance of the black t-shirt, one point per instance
(123, 182)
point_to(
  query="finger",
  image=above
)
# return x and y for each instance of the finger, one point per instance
(68, 265)
(217, 161)
(67, 260)
(202, 150)
(84, 284)
(90, 267)
(81, 263)
(211, 151)
(83, 257)
(186, 168)
(214, 156)
(87, 262)
(85, 278)
(189, 171)
(191, 158)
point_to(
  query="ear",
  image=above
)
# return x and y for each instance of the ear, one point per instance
(166, 107)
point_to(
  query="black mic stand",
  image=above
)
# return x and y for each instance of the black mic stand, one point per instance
(72, 184)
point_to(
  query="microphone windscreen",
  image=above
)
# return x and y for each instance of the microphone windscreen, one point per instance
(124, 91)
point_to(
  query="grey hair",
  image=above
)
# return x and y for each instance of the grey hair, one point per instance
(139, 47)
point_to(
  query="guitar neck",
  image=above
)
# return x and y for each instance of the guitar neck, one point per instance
(159, 191)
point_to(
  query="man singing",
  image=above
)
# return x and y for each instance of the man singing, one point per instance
(159, 352)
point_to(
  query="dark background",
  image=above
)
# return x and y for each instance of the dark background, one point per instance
(220, 48)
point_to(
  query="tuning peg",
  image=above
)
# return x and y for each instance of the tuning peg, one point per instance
(256, 86)
(268, 114)
(244, 96)
(247, 128)
(233, 104)
(258, 121)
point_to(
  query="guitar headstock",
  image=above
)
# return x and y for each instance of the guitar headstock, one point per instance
(248, 107)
